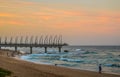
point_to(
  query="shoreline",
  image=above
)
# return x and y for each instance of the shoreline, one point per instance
(69, 67)
(66, 66)
(53, 71)
(18, 58)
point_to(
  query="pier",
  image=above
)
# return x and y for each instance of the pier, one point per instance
(41, 42)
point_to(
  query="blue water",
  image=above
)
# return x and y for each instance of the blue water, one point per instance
(79, 57)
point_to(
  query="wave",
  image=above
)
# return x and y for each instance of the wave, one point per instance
(113, 65)
(71, 60)
(45, 54)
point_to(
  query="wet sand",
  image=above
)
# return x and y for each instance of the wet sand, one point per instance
(22, 68)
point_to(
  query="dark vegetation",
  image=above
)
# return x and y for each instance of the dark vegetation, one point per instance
(4, 73)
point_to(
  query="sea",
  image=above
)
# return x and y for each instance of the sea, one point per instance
(78, 57)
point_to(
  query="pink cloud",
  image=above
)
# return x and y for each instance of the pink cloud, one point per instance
(6, 15)
(12, 22)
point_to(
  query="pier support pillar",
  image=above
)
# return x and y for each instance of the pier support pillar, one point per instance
(16, 48)
(59, 49)
(45, 49)
(30, 50)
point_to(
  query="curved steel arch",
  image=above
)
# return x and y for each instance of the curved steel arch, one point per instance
(41, 40)
(46, 40)
(60, 39)
(11, 40)
(50, 40)
(0, 40)
(31, 39)
(54, 40)
(26, 40)
(36, 40)
(16, 40)
(5, 41)
(21, 40)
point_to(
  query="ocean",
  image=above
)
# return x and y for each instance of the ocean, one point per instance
(78, 57)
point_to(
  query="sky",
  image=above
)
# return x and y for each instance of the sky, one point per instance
(80, 22)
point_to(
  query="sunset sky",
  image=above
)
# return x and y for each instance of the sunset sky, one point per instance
(80, 22)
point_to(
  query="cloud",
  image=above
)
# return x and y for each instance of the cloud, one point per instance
(12, 22)
(6, 15)
(34, 13)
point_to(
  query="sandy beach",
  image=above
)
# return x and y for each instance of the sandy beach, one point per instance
(20, 68)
